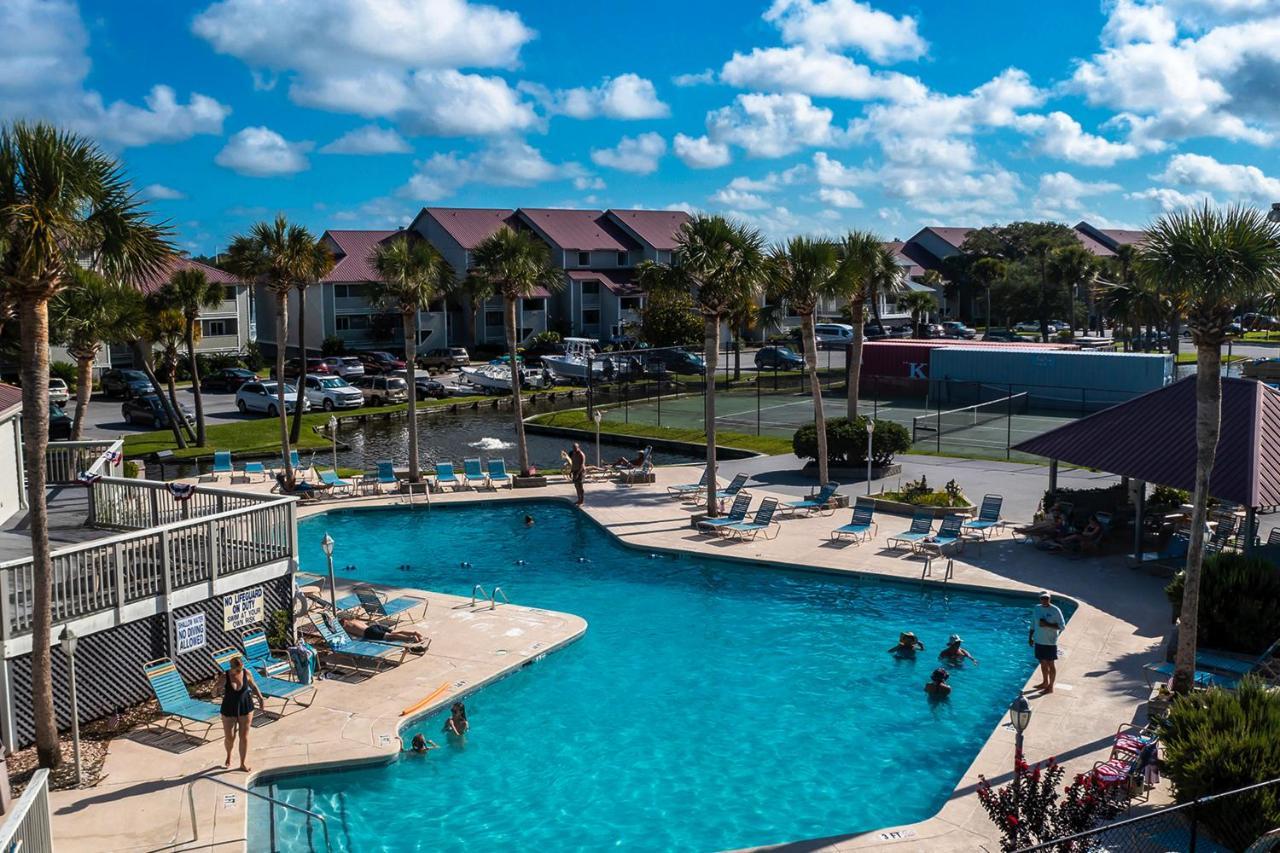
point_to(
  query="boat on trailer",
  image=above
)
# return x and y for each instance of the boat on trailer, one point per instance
(497, 377)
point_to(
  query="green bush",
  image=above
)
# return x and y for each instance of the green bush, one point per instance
(548, 337)
(66, 371)
(280, 630)
(1168, 496)
(847, 441)
(253, 359)
(130, 469)
(1217, 740)
(920, 493)
(1238, 603)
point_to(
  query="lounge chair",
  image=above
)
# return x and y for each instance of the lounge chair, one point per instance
(1201, 677)
(689, 488)
(333, 481)
(378, 608)
(950, 535)
(1123, 778)
(498, 475)
(818, 503)
(1213, 669)
(921, 528)
(446, 477)
(257, 468)
(474, 473)
(737, 513)
(276, 688)
(631, 474)
(861, 528)
(988, 520)
(258, 655)
(175, 701)
(736, 485)
(221, 464)
(301, 488)
(1273, 538)
(387, 474)
(364, 654)
(299, 467)
(761, 522)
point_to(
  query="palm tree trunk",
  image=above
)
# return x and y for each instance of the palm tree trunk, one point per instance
(410, 348)
(172, 386)
(853, 361)
(1208, 423)
(295, 432)
(195, 380)
(470, 310)
(282, 331)
(140, 356)
(517, 407)
(875, 312)
(84, 388)
(819, 417)
(710, 349)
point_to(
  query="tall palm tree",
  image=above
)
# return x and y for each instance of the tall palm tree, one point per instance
(412, 273)
(166, 329)
(189, 291)
(918, 303)
(63, 203)
(1070, 268)
(802, 272)
(517, 265)
(986, 272)
(318, 262)
(280, 255)
(866, 270)
(86, 315)
(1210, 260)
(721, 263)
(471, 292)
(135, 328)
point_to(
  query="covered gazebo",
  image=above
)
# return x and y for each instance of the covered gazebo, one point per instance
(1152, 439)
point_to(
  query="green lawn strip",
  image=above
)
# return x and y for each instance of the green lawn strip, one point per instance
(1190, 358)
(577, 419)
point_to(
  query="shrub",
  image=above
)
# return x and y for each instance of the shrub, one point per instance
(333, 345)
(253, 359)
(1217, 740)
(847, 442)
(548, 337)
(920, 493)
(280, 630)
(1238, 596)
(130, 469)
(1112, 499)
(1168, 496)
(64, 370)
(1029, 809)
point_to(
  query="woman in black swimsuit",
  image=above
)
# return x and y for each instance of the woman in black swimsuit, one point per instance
(237, 709)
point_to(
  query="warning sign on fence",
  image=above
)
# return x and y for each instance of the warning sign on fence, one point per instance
(242, 609)
(191, 633)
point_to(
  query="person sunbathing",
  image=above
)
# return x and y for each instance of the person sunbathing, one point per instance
(625, 464)
(364, 630)
(1052, 526)
(301, 488)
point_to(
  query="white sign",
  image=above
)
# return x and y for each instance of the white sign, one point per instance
(242, 609)
(191, 634)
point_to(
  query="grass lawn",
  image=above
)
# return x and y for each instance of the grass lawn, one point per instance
(577, 419)
(1185, 357)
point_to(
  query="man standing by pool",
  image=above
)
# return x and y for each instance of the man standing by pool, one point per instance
(578, 470)
(1047, 622)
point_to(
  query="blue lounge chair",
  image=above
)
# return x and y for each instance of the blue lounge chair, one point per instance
(301, 468)
(257, 653)
(988, 519)
(364, 654)
(276, 688)
(333, 481)
(474, 473)
(861, 528)
(222, 464)
(254, 468)
(498, 475)
(1202, 678)
(737, 513)
(818, 503)
(1228, 672)
(761, 522)
(736, 486)
(689, 489)
(633, 473)
(949, 535)
(378, 608)
(921, 528)
(175, 701)
(446, 477)
(387, 474)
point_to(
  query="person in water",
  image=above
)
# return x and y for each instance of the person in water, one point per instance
(421, 745)
(955, 652)
(238, 690)
(457, 724)
(937, 686)
(528, 521)
(363, 630)
(907, 646)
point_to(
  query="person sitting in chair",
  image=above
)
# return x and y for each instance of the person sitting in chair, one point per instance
(1086, 539)
(1053, 525)
(301, 488)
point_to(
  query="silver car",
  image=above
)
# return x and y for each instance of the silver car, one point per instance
(261, 397)
(346, 366)
(332, 392)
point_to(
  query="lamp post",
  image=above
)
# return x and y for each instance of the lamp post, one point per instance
(333, 437)
(69, 640)
(871, 429)
(597, 416)
(1019, 718)
(327, 544)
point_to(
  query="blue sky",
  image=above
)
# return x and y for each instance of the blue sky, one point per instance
(796, 115)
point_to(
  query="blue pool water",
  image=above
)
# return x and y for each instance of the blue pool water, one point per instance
(710, 705)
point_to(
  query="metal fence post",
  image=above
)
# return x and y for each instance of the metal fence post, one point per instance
(166, 578)
(757, 404)
(938, 402)
(1008, 432)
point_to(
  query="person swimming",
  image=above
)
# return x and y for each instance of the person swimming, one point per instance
(907, 646)
(421, 745)
(457, 724)
(937, 686)
(528, 521)
(954, 652)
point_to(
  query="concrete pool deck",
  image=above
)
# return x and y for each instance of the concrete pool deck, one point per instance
(1118, 626)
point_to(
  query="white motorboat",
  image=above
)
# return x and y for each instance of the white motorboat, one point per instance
(497, 377)
(579, 353)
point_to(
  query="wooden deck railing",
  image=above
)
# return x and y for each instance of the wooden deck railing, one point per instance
(65, 461)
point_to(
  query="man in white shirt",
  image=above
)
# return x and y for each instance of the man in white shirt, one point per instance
(1047, 622)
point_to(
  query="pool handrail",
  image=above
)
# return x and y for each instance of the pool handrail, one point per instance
(195, 830)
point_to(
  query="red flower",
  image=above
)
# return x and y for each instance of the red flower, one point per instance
(1012, 819)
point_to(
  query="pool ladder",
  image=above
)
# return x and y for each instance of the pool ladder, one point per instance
(478, 595)
(310, 815)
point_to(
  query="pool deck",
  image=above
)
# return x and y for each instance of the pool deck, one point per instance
(1118, 626)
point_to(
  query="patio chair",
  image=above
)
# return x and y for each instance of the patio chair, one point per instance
(258, 654)
(446, 477)
(175, 701)
(378, 608)
(736, 485)
(689, 488)
(1217, 670)
(222, 464)
(950, 535)
(387, 474)
(921, 528)
(861, 528)
(333, 481)
(1273, 538)
(816, 504)
(639, 472)
(1124, 778)
(737, 513)
(761, 522)
(498, 475)
(275, 688)
(474, 472)
(364, 654)
(988, 520)
(300, 467)
(251, 468)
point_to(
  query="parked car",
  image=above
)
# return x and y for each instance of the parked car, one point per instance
(1033, 326)
(257, 396)
(147, 409)
(293, 368)
(676, 361)
(1259, 322)
(444, 358)
(1002, 335)
(933, 330)
(428, 387)
(331, 392)
(346, 366)
(118, 382)
(379, 361)
(383, 390)
(58, 391)
(873, 332)
(778, 358)
(226, 379)
(1265, 369)
(957, 329)
(833, 335)
(59, 424)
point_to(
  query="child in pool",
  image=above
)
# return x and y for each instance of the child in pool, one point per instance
(937, 686)
(421, 745)
(457, 724)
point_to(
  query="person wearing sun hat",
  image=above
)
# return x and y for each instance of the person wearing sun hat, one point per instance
(954, 652)
(1047, 623)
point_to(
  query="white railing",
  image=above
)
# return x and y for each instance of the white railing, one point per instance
(29, 827)
(65, 461)
(171, 545)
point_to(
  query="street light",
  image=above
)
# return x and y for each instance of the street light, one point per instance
(871, 429)
(69, 640)
(333, 437)
(1019, 718)
(327, 544)
(597, 416)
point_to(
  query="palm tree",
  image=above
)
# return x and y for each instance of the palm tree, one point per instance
(802, 272)
(866, 270)
(918, 303)
(516, 264)
(986, 272)
(318, 262)
(166, 329)
(721, 263)
(281, 255)
(1210, 260)
(471, 292)
(64, 203)
(412, 273)
(135, 328)
(190, 292)
(1071, 267)
(81, 318)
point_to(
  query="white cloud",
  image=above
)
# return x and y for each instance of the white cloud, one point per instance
(816, 72)
(261, 152)
(772, 125)
(700, 152)
(839, 198)
(369, 139)
(505, 163)
(1062, 191)
(772, 181)
(739, 199)
(1061, 136)
(833, 173)
(588, 182)
(627, 96)
(1237, 181)
(839, 24)
(638, 154)
(987, 194)
(701, 78)
(1138, 22)
(159, 192)
(1165, 199)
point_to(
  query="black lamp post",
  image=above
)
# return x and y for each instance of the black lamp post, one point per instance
(1019, 718)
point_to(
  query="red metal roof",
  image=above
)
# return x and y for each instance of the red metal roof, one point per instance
(1123, 237)
(352, 249)
(10, 396)
(154, 282)
(578, 230)
(953, 236)
(658, 228)
(913, 267)
(620, 281)
(1092, 246)
(470, 225)
(1153, 438)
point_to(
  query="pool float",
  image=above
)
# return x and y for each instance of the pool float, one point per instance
(421, 704)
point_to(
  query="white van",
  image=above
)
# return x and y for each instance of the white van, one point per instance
(833, 335)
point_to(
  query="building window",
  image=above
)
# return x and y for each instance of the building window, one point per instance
(591, 288)
(584, 259)
(591, 316)
(631, 303)
(348, 291)
(622, 259)
(218, 328)
(493, 318)
(351, 322)
(229, 293)
(535, 305)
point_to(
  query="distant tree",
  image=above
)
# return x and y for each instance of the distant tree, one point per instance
(866, 271)
(86, 315)
(189, 291)
(918, 304)
(670, 320)
(1072, 268)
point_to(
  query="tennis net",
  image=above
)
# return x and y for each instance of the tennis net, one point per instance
(968, 417)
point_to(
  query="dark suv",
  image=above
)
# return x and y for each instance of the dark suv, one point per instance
(675, 361)
(379, 361)
(778, 358)
(119, 382)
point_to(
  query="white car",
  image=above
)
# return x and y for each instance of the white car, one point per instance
(346, 366)
(332, 392)
(1033, 326)
(58, 391)
(261, 397)
(833, 335)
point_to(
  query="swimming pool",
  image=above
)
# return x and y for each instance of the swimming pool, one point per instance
(710, 705)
